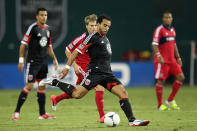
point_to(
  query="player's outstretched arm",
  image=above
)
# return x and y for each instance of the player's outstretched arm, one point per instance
(177, 55)
(70, 61)
(157, 53)
(76, 67)
(52, 55)
(21, 57)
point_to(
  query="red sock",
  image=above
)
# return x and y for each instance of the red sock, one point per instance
(175, 88)
(99, 98)
(61, 97)
(159, 93)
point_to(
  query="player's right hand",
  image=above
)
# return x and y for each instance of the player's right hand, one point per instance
(20, 66)
(160, 59)
(63, 73)
(77, 69)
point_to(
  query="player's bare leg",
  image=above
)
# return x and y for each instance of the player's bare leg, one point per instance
(99, 99)
(120, 91)
(175, 88)
(21, 99)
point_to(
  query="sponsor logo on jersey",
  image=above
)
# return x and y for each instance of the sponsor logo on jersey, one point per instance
(43, 41)
(87, 82)
(170, 38)
(30, 77)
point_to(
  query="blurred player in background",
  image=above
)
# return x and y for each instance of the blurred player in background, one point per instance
(165, 51)
(80, 66)
(38, 40)
(99, 70)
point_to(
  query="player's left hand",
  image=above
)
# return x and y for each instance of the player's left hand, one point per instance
(55, 63)
(179, 62)
(63, 73)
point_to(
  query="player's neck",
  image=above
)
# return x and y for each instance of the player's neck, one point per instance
(41, 24)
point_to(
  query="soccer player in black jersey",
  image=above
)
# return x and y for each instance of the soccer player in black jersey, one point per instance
(38, 41)
(99, 71)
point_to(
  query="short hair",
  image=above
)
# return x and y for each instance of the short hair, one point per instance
(166, 12)
(103, 16)
(40, 9)
(89, 18)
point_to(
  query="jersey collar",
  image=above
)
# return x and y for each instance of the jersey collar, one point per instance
(100, 34)
(167, 27)
(41, 26)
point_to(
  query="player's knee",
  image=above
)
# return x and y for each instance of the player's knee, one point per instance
(181, 78)
(99, 88)
(161, 82)
(123, 93)
(29, 86)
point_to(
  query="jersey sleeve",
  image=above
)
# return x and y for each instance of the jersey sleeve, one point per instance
(83, 46)
(75, 43)
(27, 36)
(157, 35)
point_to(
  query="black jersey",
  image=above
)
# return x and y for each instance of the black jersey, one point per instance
(38, 38)
(99, 49)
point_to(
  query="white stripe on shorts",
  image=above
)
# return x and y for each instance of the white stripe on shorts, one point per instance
(27, 72)
(158, 71)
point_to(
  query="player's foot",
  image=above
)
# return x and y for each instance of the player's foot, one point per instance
(163, 108)
(173, 105)
(101, 119)
(15, 116)
(54, 103)
(46, 116)
(46, 81)
(139, 123)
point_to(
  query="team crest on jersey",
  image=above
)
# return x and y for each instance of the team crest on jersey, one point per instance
(43, 41)
(87, 82)
(30, 77)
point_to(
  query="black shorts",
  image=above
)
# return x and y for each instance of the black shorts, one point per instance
(94, 78)
(36, 71)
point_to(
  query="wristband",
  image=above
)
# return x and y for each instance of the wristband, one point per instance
(178, 57)
(67, 67)
(21, 59)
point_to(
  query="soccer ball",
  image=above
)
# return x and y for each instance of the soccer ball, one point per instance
(111, 119)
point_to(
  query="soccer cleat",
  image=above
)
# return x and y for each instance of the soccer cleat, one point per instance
(54, 103)
(15, 116)
(163, 108)
(139, 123)
(101, 119)
(173, 105)
(46, 81)
(46, 116)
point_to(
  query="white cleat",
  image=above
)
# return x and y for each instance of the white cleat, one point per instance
(46, 81)
(139, 123)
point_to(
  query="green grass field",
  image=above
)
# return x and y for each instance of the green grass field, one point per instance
(82, 115)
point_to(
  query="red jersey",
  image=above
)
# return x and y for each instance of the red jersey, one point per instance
(82, 59)
(164, 37)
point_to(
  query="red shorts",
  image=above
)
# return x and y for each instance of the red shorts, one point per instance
(163, 71)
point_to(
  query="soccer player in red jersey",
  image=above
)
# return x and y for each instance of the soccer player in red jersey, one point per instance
(165, 51)
(80, 66)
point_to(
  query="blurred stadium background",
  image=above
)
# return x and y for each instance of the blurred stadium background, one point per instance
(133, 23)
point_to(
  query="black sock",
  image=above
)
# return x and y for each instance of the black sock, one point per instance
(67, 88)
(41, 101)
(21, 99)
(126, 107)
